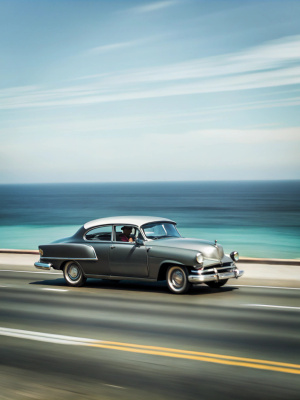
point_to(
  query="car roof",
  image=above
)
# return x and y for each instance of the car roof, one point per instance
(125, 220)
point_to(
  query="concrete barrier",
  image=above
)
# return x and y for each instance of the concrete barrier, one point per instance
(15, 251)
(272, 261)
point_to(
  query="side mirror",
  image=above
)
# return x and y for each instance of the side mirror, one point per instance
(139, 242)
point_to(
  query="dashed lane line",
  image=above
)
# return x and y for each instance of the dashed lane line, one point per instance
(114, 386)
(36, 288)
(45, 337)
(272, 306)
(31, 272)
(265, 287)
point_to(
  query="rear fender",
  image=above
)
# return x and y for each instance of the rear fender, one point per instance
(67, 251)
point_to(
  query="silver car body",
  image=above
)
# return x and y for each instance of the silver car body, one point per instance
(144, 259)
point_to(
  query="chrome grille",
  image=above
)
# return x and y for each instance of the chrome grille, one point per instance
(226, 267)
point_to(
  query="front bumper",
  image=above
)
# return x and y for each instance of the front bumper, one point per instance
(40, 265)
(214, 275)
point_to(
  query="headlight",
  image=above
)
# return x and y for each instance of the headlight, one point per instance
(41, 252)
(199, 258)
(235, 255)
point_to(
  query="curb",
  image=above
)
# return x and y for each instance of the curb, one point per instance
(246, 260)
(272, 261)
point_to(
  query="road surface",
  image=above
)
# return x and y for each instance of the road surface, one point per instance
(133, 340)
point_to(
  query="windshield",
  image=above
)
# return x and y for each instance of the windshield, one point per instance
(157, 230)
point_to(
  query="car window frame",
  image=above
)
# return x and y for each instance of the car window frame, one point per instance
(120, 242)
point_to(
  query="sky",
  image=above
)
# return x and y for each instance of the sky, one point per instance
(165, 90)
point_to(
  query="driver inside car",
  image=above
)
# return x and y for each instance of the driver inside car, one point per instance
(125, 236)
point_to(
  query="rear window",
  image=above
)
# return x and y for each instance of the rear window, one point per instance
(102, 233)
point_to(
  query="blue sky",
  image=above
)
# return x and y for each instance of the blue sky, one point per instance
(95, 91)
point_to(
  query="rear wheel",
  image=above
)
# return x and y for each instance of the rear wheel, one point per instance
(216, 285)
(177, 279)
(73, 274)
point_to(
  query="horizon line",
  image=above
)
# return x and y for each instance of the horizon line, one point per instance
(154, 181)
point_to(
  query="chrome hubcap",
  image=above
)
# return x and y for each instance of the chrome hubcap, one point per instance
(73, 272)
(177, 278)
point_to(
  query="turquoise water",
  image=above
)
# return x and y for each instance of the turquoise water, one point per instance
(258, 242)
(258, 219)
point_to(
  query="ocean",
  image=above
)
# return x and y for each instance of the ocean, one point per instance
(256, 218)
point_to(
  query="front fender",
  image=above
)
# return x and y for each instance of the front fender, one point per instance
(171, 262)
(165, 254)
(162, 256)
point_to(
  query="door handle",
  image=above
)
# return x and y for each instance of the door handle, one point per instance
(112, 246)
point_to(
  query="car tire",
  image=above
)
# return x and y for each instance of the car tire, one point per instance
(177, 279)
(216, 285)
(73, 274)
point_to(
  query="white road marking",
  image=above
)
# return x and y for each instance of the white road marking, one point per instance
(272, 306)
(22, 287)
(265, 287)
(31, 272)
(45, 337)
(114, 386)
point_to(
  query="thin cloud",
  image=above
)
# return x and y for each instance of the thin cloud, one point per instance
(90, 95)
(245, 136)
(272, 55)
(273, 64)
(144, 123)
(120, 45)
(114, 46)
(155, 6)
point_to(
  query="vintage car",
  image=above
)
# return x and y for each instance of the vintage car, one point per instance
(139, 248)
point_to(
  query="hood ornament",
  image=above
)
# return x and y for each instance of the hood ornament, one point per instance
(216, 242)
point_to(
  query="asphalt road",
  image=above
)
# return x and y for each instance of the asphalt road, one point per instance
(133, 340)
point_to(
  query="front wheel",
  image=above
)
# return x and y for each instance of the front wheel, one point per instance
(73, 274)
(177, 279)
(216, 285)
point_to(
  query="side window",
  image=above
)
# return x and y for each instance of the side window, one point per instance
(102, 233)
(124, 235)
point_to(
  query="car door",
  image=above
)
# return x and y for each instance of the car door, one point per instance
(100, 238)
(128, 258)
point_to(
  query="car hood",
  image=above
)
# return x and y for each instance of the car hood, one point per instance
(207, 248)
